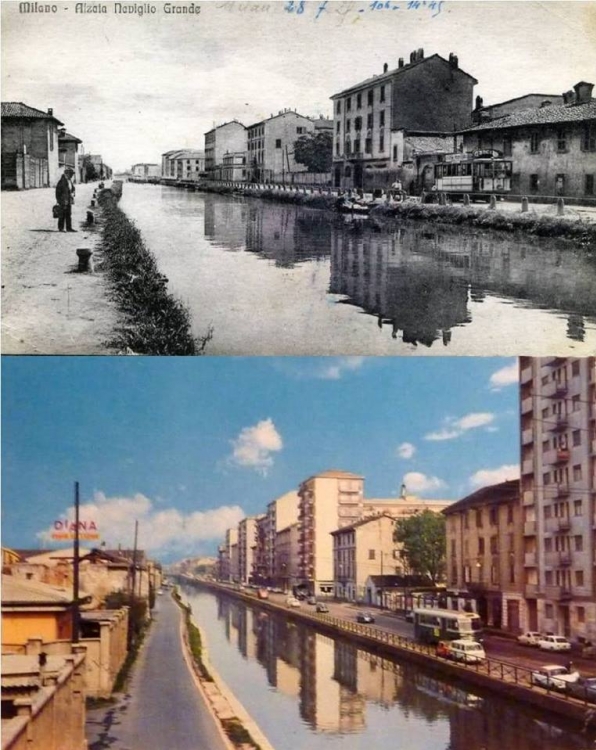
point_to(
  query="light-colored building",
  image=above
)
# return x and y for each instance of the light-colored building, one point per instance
(552, 147)
(145, 171)
(223, 139)
(68, 153)
(402, 507)
(485, 555)
(233, 168)
(30, 147)
(281, 513)
(285, 574)
(327, 501)
(225, 568)
(373, 118)
(187, 165)
(247, 540)
(558, 494)
(271, 142)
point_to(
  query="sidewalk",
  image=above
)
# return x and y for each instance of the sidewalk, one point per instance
(48, 308)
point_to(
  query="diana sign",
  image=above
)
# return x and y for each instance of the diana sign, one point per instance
(65, 529)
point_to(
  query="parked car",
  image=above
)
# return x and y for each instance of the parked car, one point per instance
(554, 643)
(322, 607)
(311, 600)
(442, 649)
(466, 651)
(410, 616)
(530, 638)
(364, 617)
(553, 677)
(291, 601)
(583, 688)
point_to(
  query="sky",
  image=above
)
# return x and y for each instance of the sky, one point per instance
(133, 86)
(189, 446)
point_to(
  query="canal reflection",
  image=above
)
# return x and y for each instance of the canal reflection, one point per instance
(283, 279)
(312, 691)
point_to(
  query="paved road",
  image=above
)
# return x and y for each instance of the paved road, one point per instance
(163, 709)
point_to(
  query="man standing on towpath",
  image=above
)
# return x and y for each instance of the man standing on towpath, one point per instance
(65, 192)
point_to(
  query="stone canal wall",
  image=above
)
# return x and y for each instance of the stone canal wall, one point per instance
(506, 679)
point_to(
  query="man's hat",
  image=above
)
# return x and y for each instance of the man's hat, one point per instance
(69, 169)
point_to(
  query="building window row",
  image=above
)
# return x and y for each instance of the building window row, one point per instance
(370, 99)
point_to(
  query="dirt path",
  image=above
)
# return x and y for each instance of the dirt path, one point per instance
(48, 308)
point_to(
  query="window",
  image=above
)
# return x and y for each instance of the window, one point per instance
(337, 148)
(589, 184)
(395, 153)
(278, 142)
(338, 127)
(578, 508)
(368, 146)
(358, 101)
(493, 514)
(338, 107)
(357, 146)
(494, 574)
(494, 545)
(575, 403)
(479, 518)
(577, 437)
(548, 611)
(546, 478)
(382, 118)
(481, 545)
(575, 368)
(300, 130)
(548, 511)
(534, 182)
(534, 143)
(358, 123)
(369, 97)
(466, 521)
(349, 104)
(510, 513)
(371, 554)
(589, 138)
(561, 140)
(577, 473)
(348, 149)
(548, 579)
(382, 142)
(580, 613)
(560, 184)
(578, 542)
(348, 126)
(548, 544)
(382, 97)
(507, 145)
(579, 577)
(370, 121)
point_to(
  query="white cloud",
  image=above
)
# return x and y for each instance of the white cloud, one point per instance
(508, 375)
(406, 450)
(254, 446)
(160, 530)
(486, 477)
(318, 368)
(454, 428)
(340, 366)
(420, 483)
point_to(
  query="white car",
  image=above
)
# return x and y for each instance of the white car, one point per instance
(291, 601)
(466, 651)
(554, 643)
(553, 676)
(530, 638)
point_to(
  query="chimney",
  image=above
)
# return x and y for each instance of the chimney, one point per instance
(385, 68)
(453, 60)
(479, 102)
(420, 54)
(413, 56)
(400, 62)
(583, 92)
(50, 112)
(568, 96)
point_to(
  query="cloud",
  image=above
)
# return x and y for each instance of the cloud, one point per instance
(486, 477)
(406, 450)
(454, 428)
(160, 530)
(420, 483)
(342, 365)
(254, 445)
(318, 368)
(508, 375)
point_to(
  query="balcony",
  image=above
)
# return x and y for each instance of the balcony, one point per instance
(563, 523)
(530, 560)
(527, 436)
(528, 497)
(562, 490)
(528, 466)
(559, 424)
(562, 456)
(530, 528)
(527, 405)
(532, 589)
(565, 594)
(525, 375)
(564, 558)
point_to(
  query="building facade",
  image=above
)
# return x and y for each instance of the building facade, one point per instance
(558, 494)
(247, 540)
(187, 165)
(281, 514)
(485, 553)
(270, 150)
(30, 147)
(223, 139)
(552, 147)
(371, 117)
(68, 153)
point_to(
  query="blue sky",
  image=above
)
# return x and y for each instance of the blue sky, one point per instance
(187, 446)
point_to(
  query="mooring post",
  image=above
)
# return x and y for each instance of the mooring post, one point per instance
(90, 217)
(466, 199)
(560, 207)
(85, 262)
(493, 202)
(525, 204)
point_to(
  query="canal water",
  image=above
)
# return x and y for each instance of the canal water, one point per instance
(307, 691)
(283, 279)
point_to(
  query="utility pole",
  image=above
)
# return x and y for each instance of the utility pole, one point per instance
(75, 576)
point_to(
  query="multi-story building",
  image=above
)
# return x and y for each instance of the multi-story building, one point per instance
(285, 573)
(271, 146)
(402, 507)
(223, 139)
(225, 556)
(30, 147)
(247, 542)
(233, 168)
(485, 553)
(145, 171)
(281, 513)
(260, 568)
(327, 501)
(558, 494)
(374, 118)
(552, 147)
(187, 165)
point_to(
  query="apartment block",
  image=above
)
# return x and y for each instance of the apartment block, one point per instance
(247, 541)
(228, 566)
(373, 119)
(485, 554)
(558, 494)
(286, 561)
(230, 137)
(271, 146)
(281, 514)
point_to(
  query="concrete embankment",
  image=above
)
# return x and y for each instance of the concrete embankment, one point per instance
(506, 679)
(48, 307)
(153, 321)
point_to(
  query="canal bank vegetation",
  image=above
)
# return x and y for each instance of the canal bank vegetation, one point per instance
(154, 321)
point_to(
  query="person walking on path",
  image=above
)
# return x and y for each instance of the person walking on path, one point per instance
(65, 192)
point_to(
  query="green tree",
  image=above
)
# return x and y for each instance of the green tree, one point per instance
(315, 151)
(424, 543)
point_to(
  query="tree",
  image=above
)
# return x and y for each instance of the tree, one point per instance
(424, 543)
(315, 151)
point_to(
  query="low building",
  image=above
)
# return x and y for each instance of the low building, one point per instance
(145, 172)
(233, 168)
(68, 151)
(230, 137)
(183, 165)
(485, 553)
(552, 147)
(30, 147)
(43, 701)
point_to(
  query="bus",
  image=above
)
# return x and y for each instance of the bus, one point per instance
(478, 174)
(434, 625)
